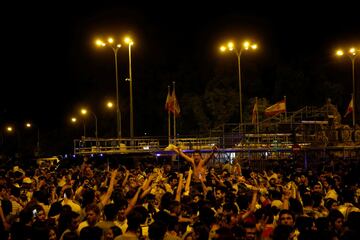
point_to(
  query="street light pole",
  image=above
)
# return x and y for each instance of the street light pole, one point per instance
(240, 91)
(238, 51)
(130, 43)
(352, 57)
(74, 120)
(115, 48)
(118, 113)
(38, 141)
(352, 54)
(30, 125)
(84, 112)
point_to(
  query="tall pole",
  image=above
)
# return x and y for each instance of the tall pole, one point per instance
(238, 51)
(169, 118)
(173, 102)
(240, 91)
(96, 125)
(84, 126)
(354, 90)
(38, 141)
(115, 47)
(352, 54)
(84, 112)
(118, 113)
(131, 96)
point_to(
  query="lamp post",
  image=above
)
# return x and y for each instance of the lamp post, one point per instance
(84, 111)
(74, 120)
(238, 51)
(352, 54)
(115, 47)
(29, 125)
(129, 42)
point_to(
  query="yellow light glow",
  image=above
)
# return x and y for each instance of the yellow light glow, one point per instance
(352, 51)
(339, 52)
(246, 44)
(9, 129)
(254, 46)
(110, 40)
(230, 45)
(28, 125)
(110, 105)
(222, 48)
(99, 43)
(73, 119)
(118, 45)
(128, 40)
(83, 111)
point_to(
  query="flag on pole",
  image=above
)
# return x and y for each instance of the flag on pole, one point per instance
(168, 100)
(278, 107)
(350, 108)
(174, 105)
(254, 113)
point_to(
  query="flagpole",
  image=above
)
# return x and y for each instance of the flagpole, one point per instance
(257, 116)
(174, 113)
(285, 109)
(169, 119)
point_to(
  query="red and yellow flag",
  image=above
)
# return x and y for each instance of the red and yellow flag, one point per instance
(174, 105)
(168, 100)
(254, 113)
(278, 107)
(350, 108)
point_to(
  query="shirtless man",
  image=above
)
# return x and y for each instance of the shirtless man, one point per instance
(198, 164)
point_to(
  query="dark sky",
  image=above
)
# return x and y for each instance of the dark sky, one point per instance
(50, 65)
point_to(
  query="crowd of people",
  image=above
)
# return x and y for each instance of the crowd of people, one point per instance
(203, 199)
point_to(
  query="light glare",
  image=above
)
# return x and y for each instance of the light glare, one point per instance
(339, 52)
(83, 111)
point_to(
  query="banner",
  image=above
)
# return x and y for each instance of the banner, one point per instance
(254, 113)
(278, 107)
(173, 104)
(349, 108)
(168, 100)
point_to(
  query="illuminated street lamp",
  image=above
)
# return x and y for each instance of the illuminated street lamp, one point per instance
(115, 47)
(352, 54)
(110, 104)
(238, 51)
(84, 111)
(130, 42)
(29, 125)
(9, 129)
(74, 120)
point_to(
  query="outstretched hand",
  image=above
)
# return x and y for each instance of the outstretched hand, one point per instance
(214, 148)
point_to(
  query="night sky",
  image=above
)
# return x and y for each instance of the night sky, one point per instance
(51, 65)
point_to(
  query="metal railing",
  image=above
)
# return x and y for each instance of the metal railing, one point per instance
(139, 145)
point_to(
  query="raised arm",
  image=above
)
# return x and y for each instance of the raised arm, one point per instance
(183, 155)
(179, 188)
(188, 181)
(207, 159)
(108, 193)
